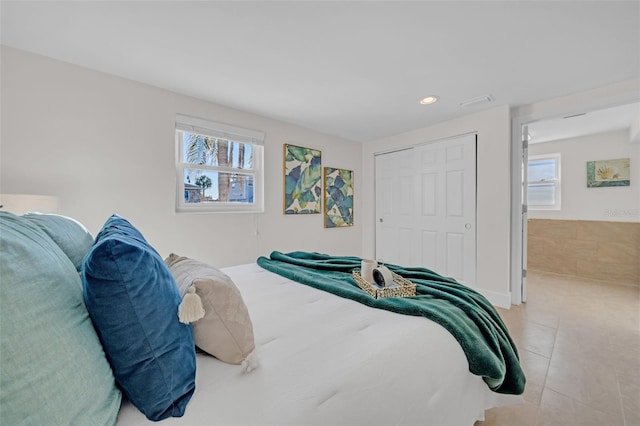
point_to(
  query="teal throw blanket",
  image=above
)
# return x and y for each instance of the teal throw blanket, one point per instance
(465, 313)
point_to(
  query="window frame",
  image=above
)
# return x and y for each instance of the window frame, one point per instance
(556, 182)
(193, 125)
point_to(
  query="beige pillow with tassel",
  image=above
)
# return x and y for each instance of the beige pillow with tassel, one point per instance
(212, 302)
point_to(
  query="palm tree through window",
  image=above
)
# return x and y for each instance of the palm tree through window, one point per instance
(217, 171)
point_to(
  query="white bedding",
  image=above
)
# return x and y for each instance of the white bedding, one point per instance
(326, 360)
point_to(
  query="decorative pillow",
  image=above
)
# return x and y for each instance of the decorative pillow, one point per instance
(54, 370)
(133, 302)
(226, 331)
(69, 234)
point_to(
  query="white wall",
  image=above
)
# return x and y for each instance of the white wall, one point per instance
(493, 192)
(621, 203)
(634, 129)
(105, 145)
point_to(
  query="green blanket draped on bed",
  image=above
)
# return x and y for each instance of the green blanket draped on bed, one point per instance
(466, 314)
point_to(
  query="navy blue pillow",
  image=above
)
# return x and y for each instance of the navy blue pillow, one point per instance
(133, 301)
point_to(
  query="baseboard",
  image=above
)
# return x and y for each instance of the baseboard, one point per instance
(501, 300)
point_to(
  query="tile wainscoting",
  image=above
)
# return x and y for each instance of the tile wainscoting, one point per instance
(587, 249)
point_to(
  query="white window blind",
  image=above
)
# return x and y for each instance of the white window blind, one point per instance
(218, 130)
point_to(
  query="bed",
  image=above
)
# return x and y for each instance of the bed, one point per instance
(87, 321)
(327, 360)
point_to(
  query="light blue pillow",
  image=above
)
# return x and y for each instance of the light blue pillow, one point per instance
(133, 302)
(69, 234)
(54, 371)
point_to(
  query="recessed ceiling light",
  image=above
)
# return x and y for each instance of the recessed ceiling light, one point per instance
(429, 100)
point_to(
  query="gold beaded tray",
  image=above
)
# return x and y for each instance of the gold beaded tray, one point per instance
(401, 287)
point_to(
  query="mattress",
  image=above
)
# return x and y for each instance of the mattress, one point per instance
(326, 360)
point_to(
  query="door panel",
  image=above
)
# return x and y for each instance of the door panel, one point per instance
(405, 199)
(455, 193)
(455, 254)
(429, 185)
(429, 248)
(405, 251)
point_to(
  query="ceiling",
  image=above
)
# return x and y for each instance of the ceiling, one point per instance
(354, 69)
(582, 124)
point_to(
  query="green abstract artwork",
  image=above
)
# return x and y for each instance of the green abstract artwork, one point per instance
(302, 180)
(338, 197)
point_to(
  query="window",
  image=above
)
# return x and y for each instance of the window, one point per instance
(219, 167)
(543, 182)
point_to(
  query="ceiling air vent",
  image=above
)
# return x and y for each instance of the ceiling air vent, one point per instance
(576, 115)
(476, 101)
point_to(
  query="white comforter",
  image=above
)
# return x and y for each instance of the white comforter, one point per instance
(326, 360)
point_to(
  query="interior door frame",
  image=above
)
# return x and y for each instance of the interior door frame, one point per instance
(518, 171)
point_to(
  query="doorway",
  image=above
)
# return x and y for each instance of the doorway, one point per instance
(572, 137)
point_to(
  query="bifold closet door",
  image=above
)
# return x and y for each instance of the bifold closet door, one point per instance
(426, 207)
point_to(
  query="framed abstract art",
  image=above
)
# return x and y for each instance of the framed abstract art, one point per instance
(302, 180)
(338, 197)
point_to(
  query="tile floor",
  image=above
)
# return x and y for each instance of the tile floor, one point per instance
(579, 344)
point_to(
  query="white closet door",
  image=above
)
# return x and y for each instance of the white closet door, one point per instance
(447, 215)
(426, 207)
(395, 207)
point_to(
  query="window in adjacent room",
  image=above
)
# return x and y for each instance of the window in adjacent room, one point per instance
(219, 167)
(543, 182)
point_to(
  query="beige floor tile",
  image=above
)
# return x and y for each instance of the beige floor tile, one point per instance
(579, 344)
(588, 381)
(533, 337)
(545, 315)
(557, 409)
(630, 395)
(535, 368)
(517, 415)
